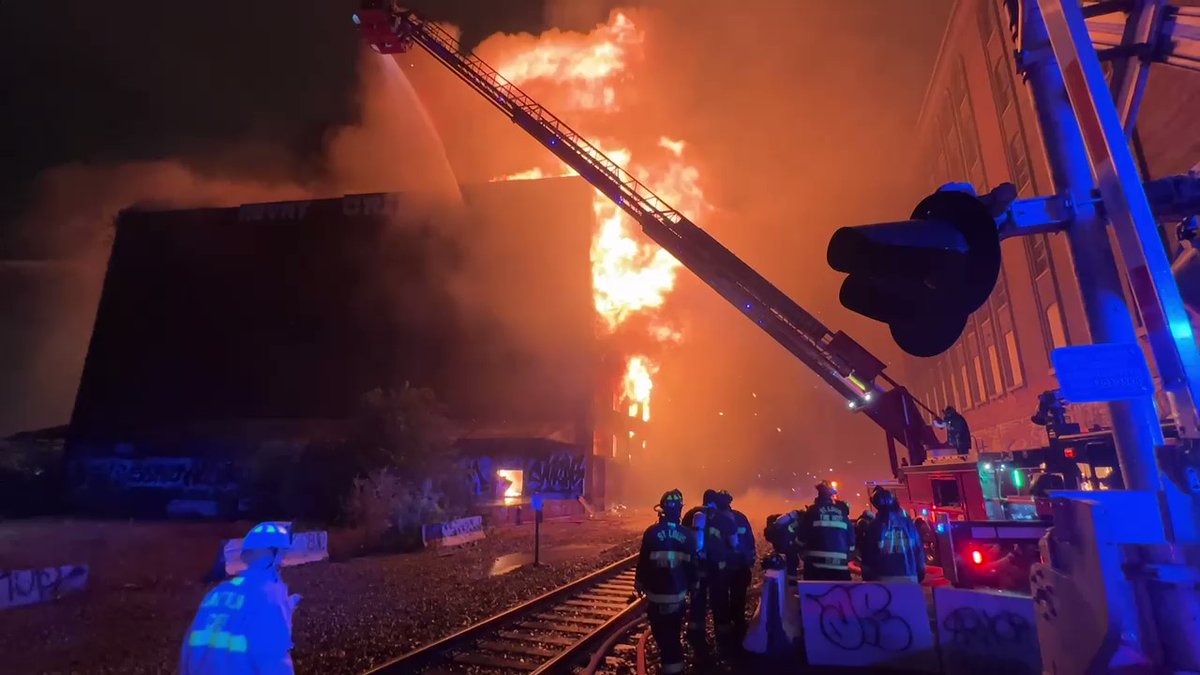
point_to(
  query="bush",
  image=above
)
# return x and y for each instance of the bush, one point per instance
(397, 471)
(391, 510)
(31, 479)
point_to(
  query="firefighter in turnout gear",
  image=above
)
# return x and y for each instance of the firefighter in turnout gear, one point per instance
(828, 537)
(244, 625)
(696, 520)
(741, 562)
(666, 571)
(891, 549)
(783, 532)
(718, 554)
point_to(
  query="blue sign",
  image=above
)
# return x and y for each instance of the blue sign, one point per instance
(537, 503)
(1102, 372)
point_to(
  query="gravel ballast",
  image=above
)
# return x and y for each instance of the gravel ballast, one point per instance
(355, 614)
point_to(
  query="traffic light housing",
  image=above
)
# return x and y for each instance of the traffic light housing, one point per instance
(923, 277)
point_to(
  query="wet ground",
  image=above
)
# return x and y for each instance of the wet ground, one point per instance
(146, 582)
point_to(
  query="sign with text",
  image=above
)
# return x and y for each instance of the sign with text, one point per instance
(307, 547)
(31, 587)
(986, 632)
(1102, 372)
(453, 533)
(875, 625)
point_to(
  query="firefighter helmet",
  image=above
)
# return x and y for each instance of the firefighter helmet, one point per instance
(723, 499)
(670, 505)
(710, 496)
(826, 490)
(882, 498)
(268, 535)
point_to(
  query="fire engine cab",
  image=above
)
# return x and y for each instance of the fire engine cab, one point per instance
(973, 510)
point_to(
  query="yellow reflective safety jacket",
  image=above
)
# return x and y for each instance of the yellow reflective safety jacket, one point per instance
(243, 627)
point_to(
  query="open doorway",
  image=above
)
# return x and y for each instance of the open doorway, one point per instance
(511, 483)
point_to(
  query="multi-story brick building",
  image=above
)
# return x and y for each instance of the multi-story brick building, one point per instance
(977, 123)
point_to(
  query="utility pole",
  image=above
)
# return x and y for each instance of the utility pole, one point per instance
(1118, 555)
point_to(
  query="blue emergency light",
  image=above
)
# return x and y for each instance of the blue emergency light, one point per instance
(537, 502)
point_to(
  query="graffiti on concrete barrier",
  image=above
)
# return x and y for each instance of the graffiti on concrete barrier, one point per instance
(986, 632)
(453, 533)
(30, 587)
(307, 547)
(854, 616)
(875, 625)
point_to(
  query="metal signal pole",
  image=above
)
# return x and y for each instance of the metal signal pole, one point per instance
(1124, 549)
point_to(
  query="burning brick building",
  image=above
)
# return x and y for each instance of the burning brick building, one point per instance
(221, 331)
(978, 123)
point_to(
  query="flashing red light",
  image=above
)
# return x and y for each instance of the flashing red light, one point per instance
(1069, 453)
(977, 557)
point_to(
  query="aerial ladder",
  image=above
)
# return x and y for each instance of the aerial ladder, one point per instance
(853, 372)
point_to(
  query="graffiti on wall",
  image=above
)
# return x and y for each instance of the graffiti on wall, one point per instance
(164, 473)
(558, 473)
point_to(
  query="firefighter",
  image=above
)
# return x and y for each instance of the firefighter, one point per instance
(741, 562)
(718, 549)
(958, 433)
(695, 520)
(891, 548)
(860, 530)
(666, 571)
(828, 537)
(783, 531)
(244, 625)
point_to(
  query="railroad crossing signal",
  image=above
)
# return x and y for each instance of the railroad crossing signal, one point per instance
(923, 277)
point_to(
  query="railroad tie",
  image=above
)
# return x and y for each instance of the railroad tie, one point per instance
(543, 639)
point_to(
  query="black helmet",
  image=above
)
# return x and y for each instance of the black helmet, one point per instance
(882, 498)
(826, 490)
(671, 504)
(710, 497)
(723, 499)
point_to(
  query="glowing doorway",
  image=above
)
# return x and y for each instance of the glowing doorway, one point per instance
(516, 481)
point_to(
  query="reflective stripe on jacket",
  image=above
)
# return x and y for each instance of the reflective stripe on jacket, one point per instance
(828, 537)
(243, 627)
(892, 548)
(666, 566)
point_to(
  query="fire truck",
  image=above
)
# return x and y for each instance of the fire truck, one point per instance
(980, 489)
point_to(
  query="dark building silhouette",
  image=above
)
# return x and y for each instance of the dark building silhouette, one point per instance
(223, 330)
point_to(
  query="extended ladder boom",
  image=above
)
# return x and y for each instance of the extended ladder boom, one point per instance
(835, 357)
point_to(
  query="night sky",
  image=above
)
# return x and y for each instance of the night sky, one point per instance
(224, 86)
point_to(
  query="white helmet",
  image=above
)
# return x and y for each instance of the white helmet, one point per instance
(268, 535)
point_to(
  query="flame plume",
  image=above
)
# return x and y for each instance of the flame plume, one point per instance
(630, 276)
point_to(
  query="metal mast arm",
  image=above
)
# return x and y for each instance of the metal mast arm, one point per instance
(836, 358)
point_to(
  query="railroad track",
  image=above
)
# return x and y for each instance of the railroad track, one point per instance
(554, 633)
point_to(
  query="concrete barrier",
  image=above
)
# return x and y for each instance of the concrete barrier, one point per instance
(453, 533)
(985, 632)
(307, 547)
(31, 587)
(877, 625)
(775, 627)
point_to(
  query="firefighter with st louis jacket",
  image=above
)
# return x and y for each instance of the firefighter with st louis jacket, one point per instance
(666, 571)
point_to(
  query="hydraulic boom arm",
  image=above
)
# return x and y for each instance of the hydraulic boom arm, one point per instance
(835, 357)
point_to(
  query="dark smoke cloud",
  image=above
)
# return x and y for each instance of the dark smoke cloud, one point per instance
(66, 229)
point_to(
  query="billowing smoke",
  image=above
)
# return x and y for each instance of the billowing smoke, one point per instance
(63, 237)
(798, 118)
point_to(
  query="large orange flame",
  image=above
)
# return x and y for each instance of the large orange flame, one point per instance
(630, 276)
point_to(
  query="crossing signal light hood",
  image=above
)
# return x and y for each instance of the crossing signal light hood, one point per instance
(924, 276)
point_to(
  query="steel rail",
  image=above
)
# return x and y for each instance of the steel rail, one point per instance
(423, 656)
